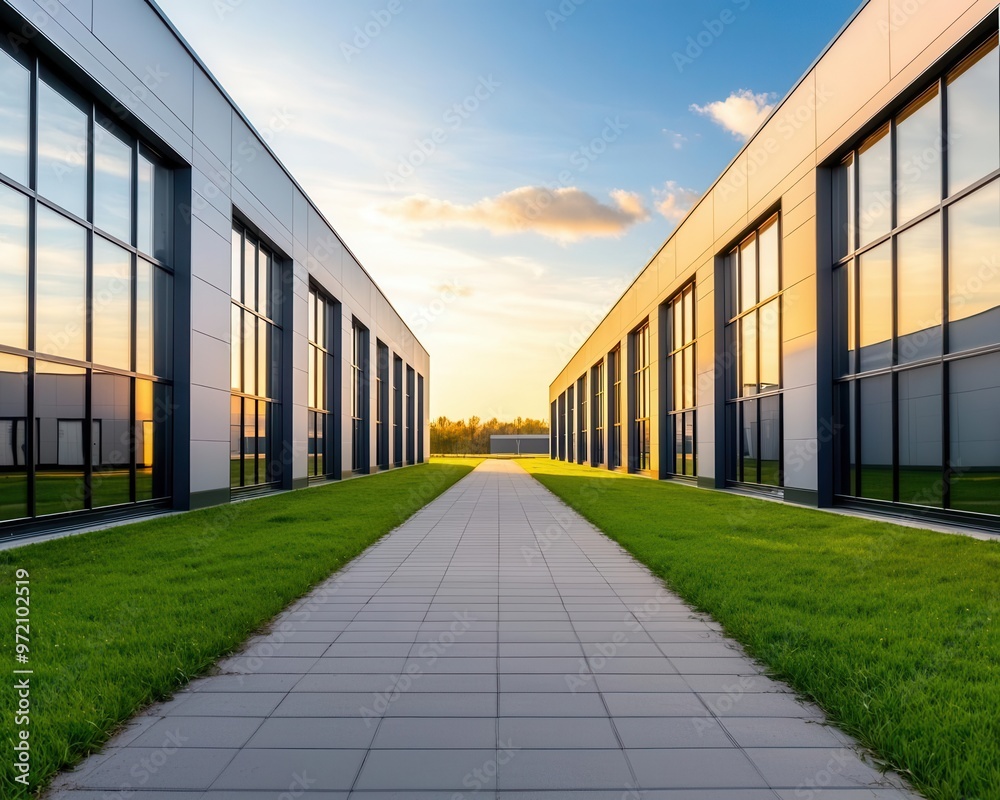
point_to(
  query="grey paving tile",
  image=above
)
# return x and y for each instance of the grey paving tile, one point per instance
(782, 732)
(330, 704)
(313, 732)
(829, 767)
(155, 768)
(278, 769)
(526, 682)
(694, 769)
(655, 704)
(278, 683)
(328, 682)
(178, 731)
(758, 705)
(671, 732)
(528, 704)
(224, 704)
(442, 770)
(437, 733)
(443, 704)
(565, 769)
(558, 733)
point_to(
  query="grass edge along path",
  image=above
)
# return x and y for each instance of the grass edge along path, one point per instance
(123, 617)
(891, 630)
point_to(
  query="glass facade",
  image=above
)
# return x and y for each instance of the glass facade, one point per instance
(682, 384)
(917, 300)
(382, 406)
(411, 427)
(615, 409)
(753, 357)
(255, 363)
(582, 420)
(598, 412)
(570, 424)
(86, 328)
(639, 458)
(359, 397)
(397, 411)
(322, 325)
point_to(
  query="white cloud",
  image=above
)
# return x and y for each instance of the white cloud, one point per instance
(741, 113)
(567, 214)
(674, 201)
(677, 140)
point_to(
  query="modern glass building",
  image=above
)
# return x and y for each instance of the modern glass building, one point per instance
(179, 324)
(824, 324)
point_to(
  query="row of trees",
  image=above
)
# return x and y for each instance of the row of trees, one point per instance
(473, 437)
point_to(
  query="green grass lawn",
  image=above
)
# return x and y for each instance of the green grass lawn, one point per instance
(892, 630)
(123, 617)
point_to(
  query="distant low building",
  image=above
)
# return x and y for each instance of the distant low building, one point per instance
(528, 444)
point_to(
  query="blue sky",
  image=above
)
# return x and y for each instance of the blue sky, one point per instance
(504, 168)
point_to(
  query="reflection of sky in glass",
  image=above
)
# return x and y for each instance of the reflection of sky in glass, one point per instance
(974, 254)
(14, 268)
(112, 301)
(112, 185)
(61, 286)
(974, 122)
(14, 87)
(918, 275)
(62, 151)
(874, 178)
(918, 159)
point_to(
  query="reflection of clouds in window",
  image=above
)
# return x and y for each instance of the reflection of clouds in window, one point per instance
(13, 268)
(974, 263)
(15, 81)
(62, 151)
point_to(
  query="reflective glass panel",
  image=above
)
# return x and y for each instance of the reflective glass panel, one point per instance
(770, 282)
(60, 286)
(112, 305)
(749, 455)
(62, 151)
(876, 437)
(918, 158)
(235, 348)
(249, 353)
(153, 209)
(153, 414)
(974, 119)
(13, 437)
(15, 86)
(974, 269)
(975, 434)
(748, 274)
(920, 454)
(249, 274)
(843, 209)
(770, 441)
(876, 307)
(14, 268)
(748, 354)
(112, 184)
(770, 346)
(875, 188)
(60, 412)
(111, 440)
(250, 442)
(689, 377)
(237, 267)
(918, 291)
(235, 441)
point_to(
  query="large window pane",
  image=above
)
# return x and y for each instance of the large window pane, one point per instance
(748, 355)
(154, 320)
(236, 276)
(770, 441)
(875, 307)
(13, 437)
(843, 209)
(249, 353)
(250, 440)
(153, 410)
(974, 269)
(249, 274)
(689, 314)
(112, 184)
(974, 119)
(749, 454)
(690, 464)
(236, 348)
(732, 284)
(770, 346)
(918, 158)
(748, 274)
(153, 209)
(13, 267)
(263, 359)
(112, 305)
(920, 421)
(975, 434)
(875, 188)
(768, 245)
(15, 84)
(843, 320)
(918, 291)
(60, 413)
(60, 286)
(62, 151)
(689, 378)
(111, 442)
(876, 437)
(235, 442)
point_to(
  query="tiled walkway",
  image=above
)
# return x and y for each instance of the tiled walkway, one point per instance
(496, 642)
